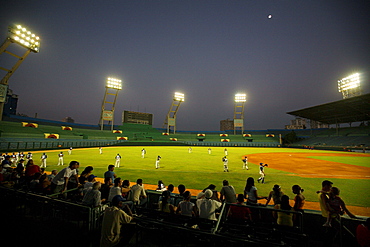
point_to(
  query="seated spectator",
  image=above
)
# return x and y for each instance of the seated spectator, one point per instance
(227, 192)
(212, 187)
(85, 174)
(238, 213)
(113, 220)
(161, 186)
(250, 193)
(207, 206)
(31, 169)
(35, 185)
(186, 207)
(178, 198)
(52, 175)
(126, 190)
(164, 205)
(275, 194)
(138, 193)
(92, 196)
(116, 189)
(284, 218)
(363, 234)
(45, 184)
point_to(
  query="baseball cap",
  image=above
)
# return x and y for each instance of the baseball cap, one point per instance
(208, 193)
(116, 199)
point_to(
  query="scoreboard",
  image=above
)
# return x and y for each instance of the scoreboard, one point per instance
(137, 117)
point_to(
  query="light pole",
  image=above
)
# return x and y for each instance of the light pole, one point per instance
(240, 99)
(21, 36)
(171, 115)
(112, 87)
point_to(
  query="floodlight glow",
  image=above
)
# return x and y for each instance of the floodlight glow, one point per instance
(350, 82)
(179, 97)
(240, 97)
(24, 37)
(114, 83)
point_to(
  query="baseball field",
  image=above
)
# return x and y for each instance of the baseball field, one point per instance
(349, 171)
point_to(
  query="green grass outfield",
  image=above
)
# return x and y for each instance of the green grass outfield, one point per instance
(198, 169)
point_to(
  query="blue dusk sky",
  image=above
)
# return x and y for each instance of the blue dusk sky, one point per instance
(208, 50)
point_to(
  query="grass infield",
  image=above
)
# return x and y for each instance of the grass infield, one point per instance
(349, 172)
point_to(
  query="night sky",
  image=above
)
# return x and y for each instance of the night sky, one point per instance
(208, 50)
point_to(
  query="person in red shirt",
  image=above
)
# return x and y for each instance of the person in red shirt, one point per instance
(31, 169)
(239, 213)
(363, 234)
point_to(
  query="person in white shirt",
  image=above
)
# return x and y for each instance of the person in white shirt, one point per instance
(143, 152)
(138, 193)
(60, 181)
(207, 207)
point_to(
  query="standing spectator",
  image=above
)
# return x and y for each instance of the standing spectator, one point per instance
(238, 213)
(284, 218)
(113, 220)
(207, 207)
(275, 194)
(336, 206)
(118, 160)
(323, 197)
(60, 159)
(250, 193)
(92, 196)
(186, 207)
(109, 175)
(299, 199)
(138, 193)
(43, 160)
(227, 192)
(60, 181)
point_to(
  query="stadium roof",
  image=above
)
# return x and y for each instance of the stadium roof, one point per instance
(355, 109)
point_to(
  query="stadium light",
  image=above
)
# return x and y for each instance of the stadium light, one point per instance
(170, 120)
(24, 37)
(240, 97)
(350, 86)
(114, 83)
(179, 97)
(112, 86)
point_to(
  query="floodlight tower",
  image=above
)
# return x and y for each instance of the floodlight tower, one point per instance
(112, 87)
(171, 115)
(240, 99)
(350, 86)
(21, 36)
